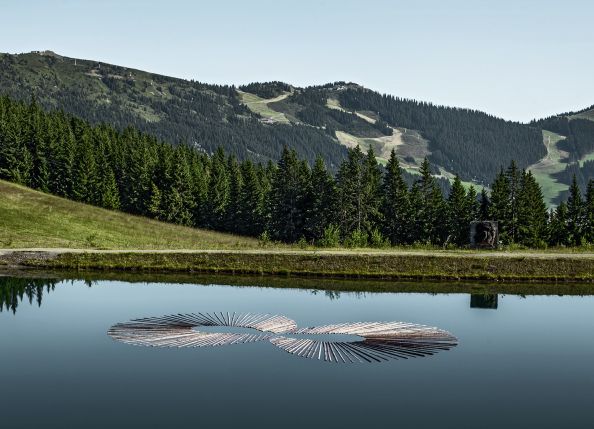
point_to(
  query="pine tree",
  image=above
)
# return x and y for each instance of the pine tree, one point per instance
(558, 228)
(372, 180)
(251, 202)
(351, 193)
(179, 201)
(16, 162)
(218, 191)
(232, 211)
(575, 214)
(500, 206)
(431, 218)
(154, 205)
(85, 174)
(485, 205)
(514, 177)
(473, 205)
(532, 213)
(395, 208)
(458, 214)
(36, 139)
(322, 201)
(61, 147)
(287, 197)
(589, 213)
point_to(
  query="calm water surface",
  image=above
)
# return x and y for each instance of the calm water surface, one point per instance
(521, 362)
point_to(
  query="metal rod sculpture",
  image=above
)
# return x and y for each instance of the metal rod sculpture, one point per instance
(178, 330)
(381, 341)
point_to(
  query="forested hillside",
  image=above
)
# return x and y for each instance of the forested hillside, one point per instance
(577, 146)
(174, 110)
(362, 204)
(256, 121)
(467, 141)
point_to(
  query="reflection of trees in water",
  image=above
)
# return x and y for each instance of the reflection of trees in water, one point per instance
(335, 294)
(14, 290)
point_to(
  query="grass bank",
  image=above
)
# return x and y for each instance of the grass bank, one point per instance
(30, 218)
(521, 267)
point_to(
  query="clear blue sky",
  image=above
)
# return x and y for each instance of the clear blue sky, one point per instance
(516, 59)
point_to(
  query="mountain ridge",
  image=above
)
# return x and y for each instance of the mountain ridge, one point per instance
(256, 120)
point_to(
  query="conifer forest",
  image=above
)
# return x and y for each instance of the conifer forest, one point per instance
(359, 204)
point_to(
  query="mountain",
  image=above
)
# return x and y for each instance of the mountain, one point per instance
(569, 138)
(257, 120)
(175, 110)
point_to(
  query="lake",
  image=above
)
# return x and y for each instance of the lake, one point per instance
(520, 361)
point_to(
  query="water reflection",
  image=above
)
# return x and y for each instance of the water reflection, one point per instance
(15, 290)
(488, 301)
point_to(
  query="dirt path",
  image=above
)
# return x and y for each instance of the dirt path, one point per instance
(52, 252)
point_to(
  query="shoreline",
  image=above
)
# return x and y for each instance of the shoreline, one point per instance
(521, 266)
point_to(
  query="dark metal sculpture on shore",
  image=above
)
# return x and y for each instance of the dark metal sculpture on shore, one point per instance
(484, 234)
(379, 341)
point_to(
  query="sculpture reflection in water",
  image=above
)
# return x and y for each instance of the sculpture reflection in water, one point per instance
(488, 301)
(375, 341)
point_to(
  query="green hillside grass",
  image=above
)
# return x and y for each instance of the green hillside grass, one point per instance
(30, 218)
(588, 114)
(553, 162)
(260, 106)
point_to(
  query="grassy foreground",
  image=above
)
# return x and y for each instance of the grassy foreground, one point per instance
(339, 264)
(30, 218)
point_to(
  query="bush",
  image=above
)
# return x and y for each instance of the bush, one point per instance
(264, 239)
(302, 243)
(358, 238)
(331, 237)
(377, 239)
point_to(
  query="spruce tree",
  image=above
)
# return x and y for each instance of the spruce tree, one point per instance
(514, 177)
(351, 193)
(473, 205)
(532, 213)
(484, 205)
(458, 214)
(287, 197)
(251, 201)
(372, 180)
(431, 217)
(589, 213)
(218, 191)
(395, 208)
(500, 206)
(232, 211)
(322, 200)
(575, 214)
(558, 228)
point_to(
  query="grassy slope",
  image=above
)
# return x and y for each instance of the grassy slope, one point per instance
(552, 163)
(260, 106)
(33, 219)
(407, 143)
(588, 114)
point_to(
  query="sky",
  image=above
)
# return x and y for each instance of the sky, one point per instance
(519, 60)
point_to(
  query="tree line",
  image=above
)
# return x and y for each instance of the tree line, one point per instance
(363, 204)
